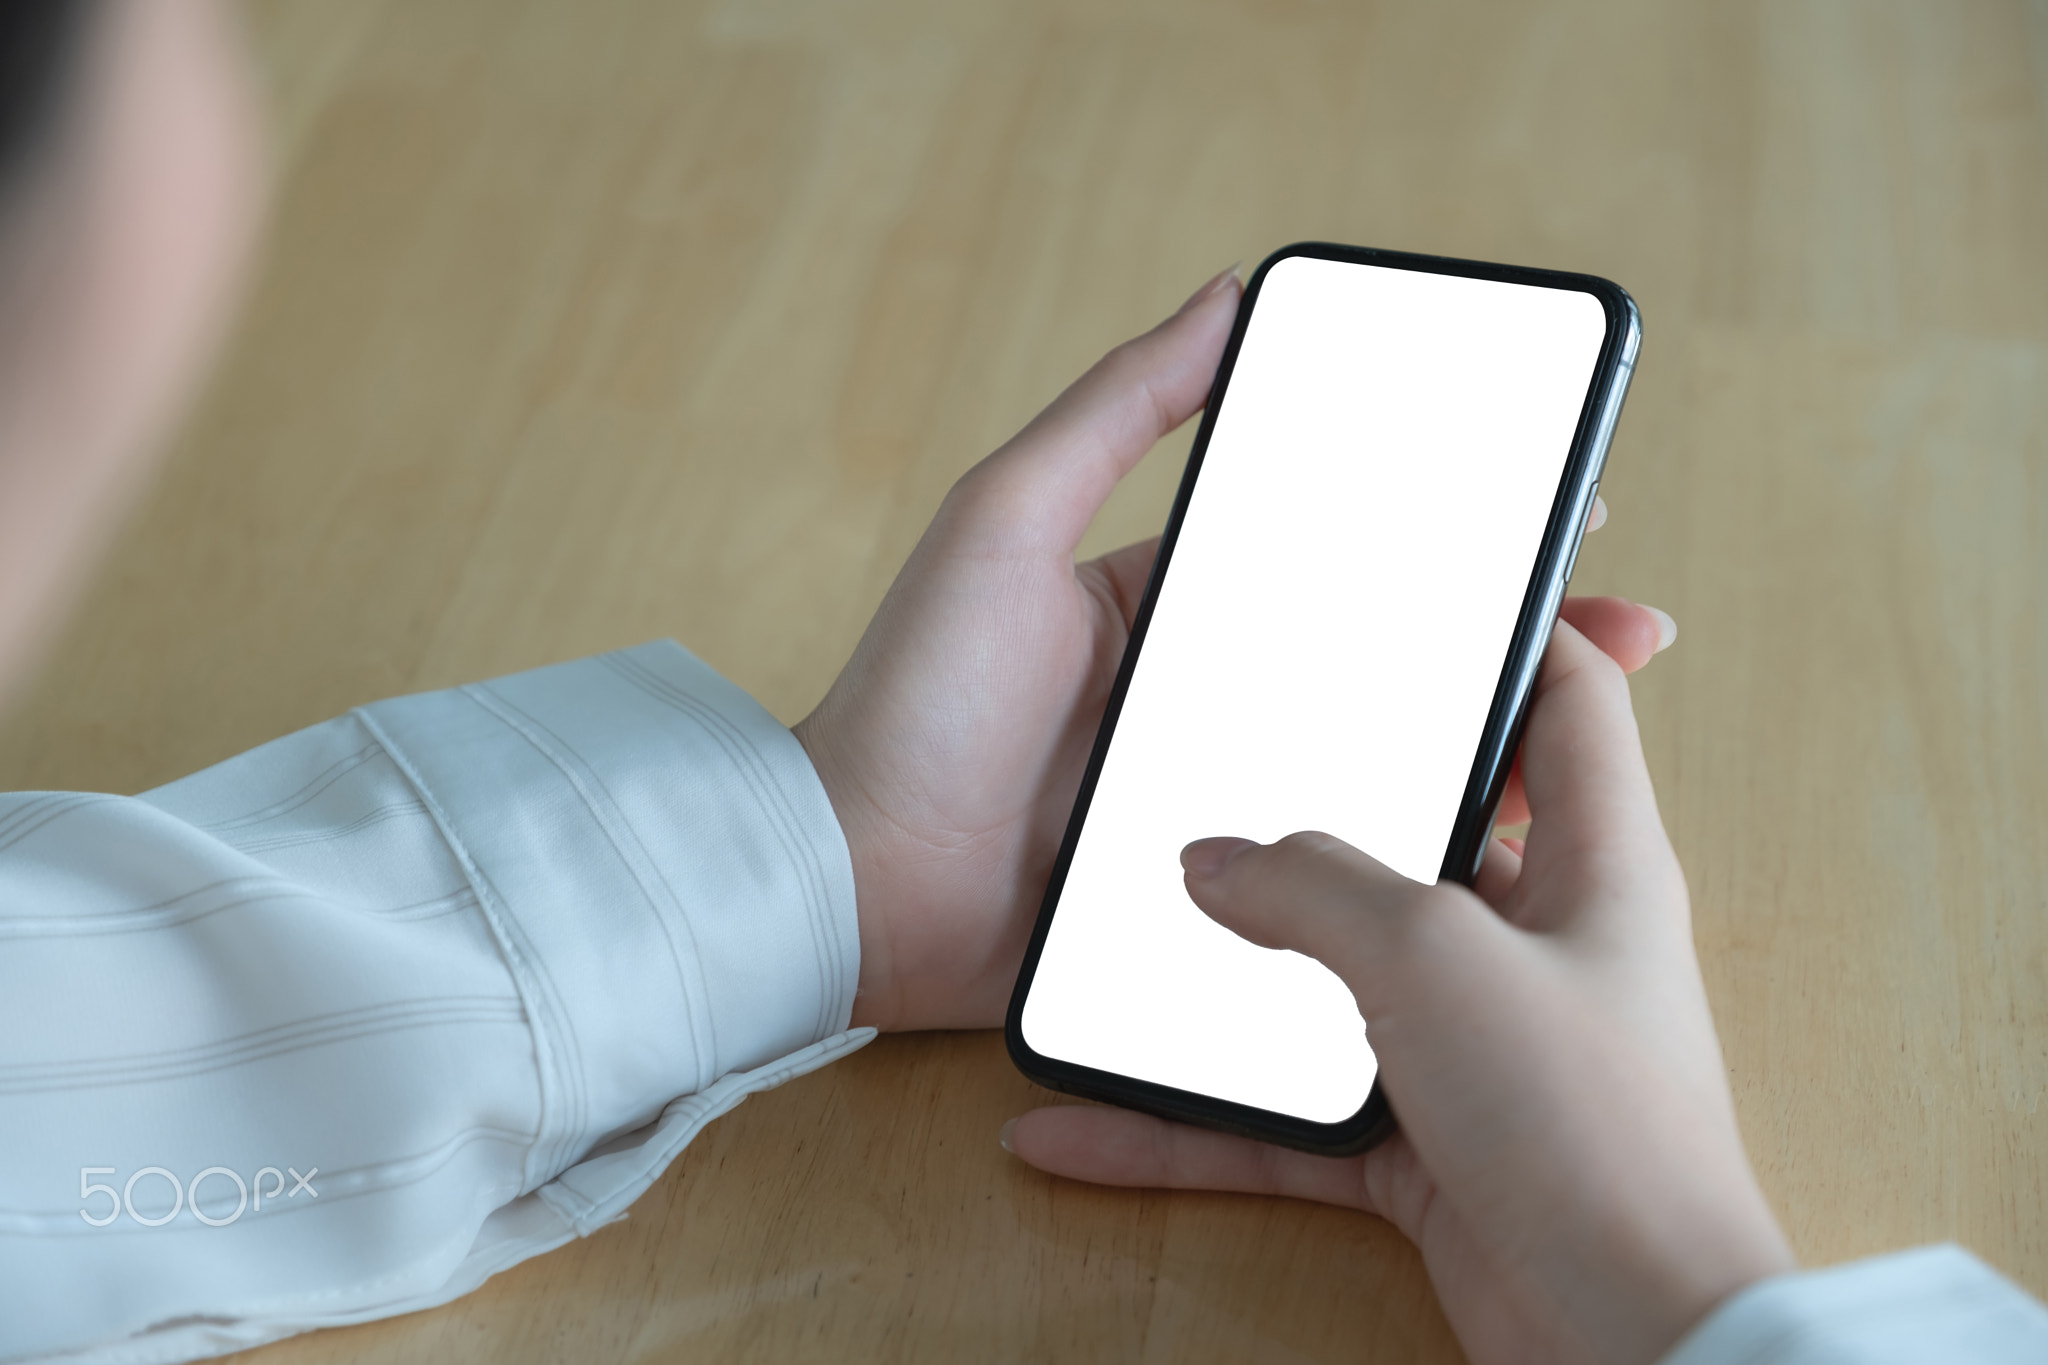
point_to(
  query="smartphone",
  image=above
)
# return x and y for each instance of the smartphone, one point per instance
(1353, 594)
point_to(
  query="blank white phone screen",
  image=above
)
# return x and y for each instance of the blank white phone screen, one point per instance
(1323, 654)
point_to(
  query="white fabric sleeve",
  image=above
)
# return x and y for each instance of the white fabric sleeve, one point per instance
(1936, 1303)
(345, 1025)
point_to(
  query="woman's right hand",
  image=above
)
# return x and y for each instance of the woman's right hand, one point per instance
(1568, 1161)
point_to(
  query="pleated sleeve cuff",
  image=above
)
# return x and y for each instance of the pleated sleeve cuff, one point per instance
(661, 868)
(1934, 1303)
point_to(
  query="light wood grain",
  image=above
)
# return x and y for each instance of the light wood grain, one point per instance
(589, 322)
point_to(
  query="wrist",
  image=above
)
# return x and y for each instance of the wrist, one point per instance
(1730, 1243)
(872, 1003)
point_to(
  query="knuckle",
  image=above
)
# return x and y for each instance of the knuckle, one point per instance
(1122, 357)
(974, 486)
(1313, 844)
(981, 502)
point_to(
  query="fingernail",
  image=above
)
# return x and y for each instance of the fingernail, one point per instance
(1667, 629)
(1211, 287)
(1597, 518)
(1207, 857)
(1004, 1136)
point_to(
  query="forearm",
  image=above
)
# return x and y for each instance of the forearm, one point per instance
(439, 950)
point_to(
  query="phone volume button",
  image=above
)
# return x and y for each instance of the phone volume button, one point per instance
(1572, 560)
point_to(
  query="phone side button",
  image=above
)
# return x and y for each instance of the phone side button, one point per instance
(1573, 561)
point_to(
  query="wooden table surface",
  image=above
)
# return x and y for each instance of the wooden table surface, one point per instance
(587, 322)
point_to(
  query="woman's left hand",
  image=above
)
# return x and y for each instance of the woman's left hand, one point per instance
(953, 742)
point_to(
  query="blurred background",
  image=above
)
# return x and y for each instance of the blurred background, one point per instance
(585, 323)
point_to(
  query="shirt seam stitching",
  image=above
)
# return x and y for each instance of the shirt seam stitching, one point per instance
(617, 827)
(780, 816)
(555, 1066)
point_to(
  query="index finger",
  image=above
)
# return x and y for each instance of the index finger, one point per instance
(1591, 804)
(1119, 1147)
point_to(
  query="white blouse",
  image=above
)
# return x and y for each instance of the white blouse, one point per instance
(347, 1024)
(343, 1026)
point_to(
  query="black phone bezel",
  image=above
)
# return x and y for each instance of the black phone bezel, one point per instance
(1374, 1122)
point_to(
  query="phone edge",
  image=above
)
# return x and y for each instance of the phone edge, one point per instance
(1375, 1120)
(1556, 559)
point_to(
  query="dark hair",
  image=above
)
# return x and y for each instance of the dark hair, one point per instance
(39, 42)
